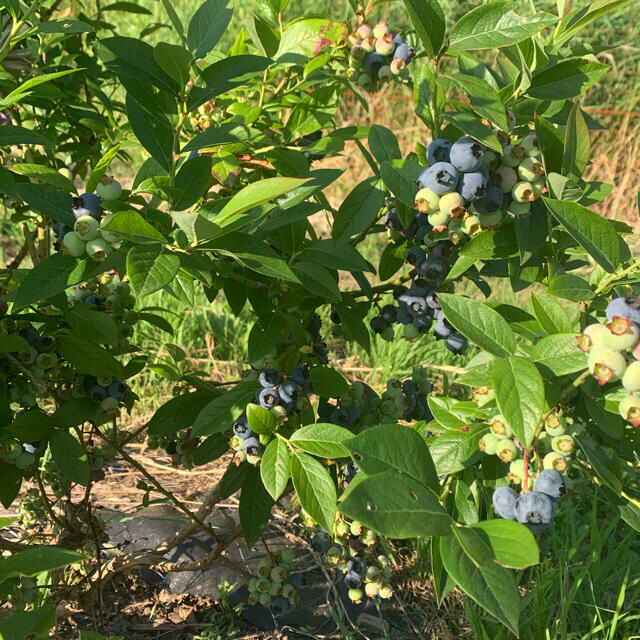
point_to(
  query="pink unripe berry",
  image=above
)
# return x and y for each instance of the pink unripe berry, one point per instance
(364, 30)
(385, 45)
(398, 65)
(381, 29)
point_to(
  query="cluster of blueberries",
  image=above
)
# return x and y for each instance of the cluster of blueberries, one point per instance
(467, 186)
(275, 585)
(534, 509)
(356, 554)
(281, 397)
(87, 237)
(556, 443)
(614, 352)
(417, 306)
(181, 447)
(377, 56)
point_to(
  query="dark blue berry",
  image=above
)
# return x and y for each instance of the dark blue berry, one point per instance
(268, 397)
(269, 377)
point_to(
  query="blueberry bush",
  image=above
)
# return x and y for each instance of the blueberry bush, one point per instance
(224, 142)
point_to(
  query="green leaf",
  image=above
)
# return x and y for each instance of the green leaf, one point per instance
(338, 256)
(315, 489)
(48, 200)
(13, 343)
(194, 179)
(494, 25)
(10, 483)
(468, 122)
(264, 336)
(353, 322)
(255, 506)
(207, 25)
(34, 624)
(211, 449)
(75, 412)
(512, 544)
(151, 267)
(494, 588)
(255, 194)
(274, 467)
(428, 20)
(88, 357)
(400, 176)
(94, 325)
(178, 413)
(300, 36)
(226, 133)
(69, 457)
(132, 226)
(478, 322)
(551, 314)
(576, 145)
(261, 420)
(224, 75)
(358, 210)
(32, 562)
(154, 133)
(45, 174)
(456, 450)
(133, 58)
(395, 505)
(103, 164)
(317, 279)
(484, 98)
(12, 134)
(252, 253)
(559, 354)
(175, 60)
(595, 233)
(219, 414)
(392, 447)
(551, 144)
(127, 7)
(604, 466)
(383, 144)
(566, 79)
(20, 92)
(327, 382)
(571, 287)
(323, 439)
(520, 395)
(57, 273)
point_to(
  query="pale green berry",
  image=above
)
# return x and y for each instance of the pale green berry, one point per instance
(555, 460)
(410, 332)
(438, 220)
(110, 236)
(490, 220)
(371, 589)
(108, 188)
(523, 192)
(629, 408)
(594, 335)
(563, 444)
(631, 377)
(87, 227)
(427, 201)
(73, 244)
(98, 249)
(489, 444)
(385, 74)
(512, 155)
(621, 334)
(355, 595)
(471, 225)
(398, 67)
(606, 364)
(453, 204)
(555, 425)
(519, 209)
(530, 145)
(530, 169)
(500, 428)
(539, 187)
(507, 450)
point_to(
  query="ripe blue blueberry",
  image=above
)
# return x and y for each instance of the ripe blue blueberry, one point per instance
(340, 417)
(98, 393)
(299, 375)
(403, 52)
(251, 446)
(472, 186)
(354, 414)
(438, 151)
(269, 377)
(434, 270)
(627, 307)
(35, 448)
(373, 62)
(117, 389)
(389, 312)
(422, 323)
(268, 397)
(44, 344)
(432, 301)
(378, 324)
(534, 510)
(415, 304)
(321, 541)
(466, 154)
(456, 343)
(289, 391)
(441, 329)
(441, 178)
(404, 317)
(87, 204)
(490, 202)
(409, 387)
(241, 428)
(358, 566)
(504, 502)
(551, 482)
(416, 255)
(352, 580)
(392, 220)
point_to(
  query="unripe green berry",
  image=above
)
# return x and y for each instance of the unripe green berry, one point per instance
(631, 377)
(438, 220)
(606, 365)
(507, 450)
(555, 425)
(519, 209)
(555, 460)
(629, 408)
(489, 444)
(471, 225)
(371, 589)
(530, 169)
(453, 205)
(512, 155)
(490, 220)
(500, 428)
(73, 244)
(622, 334)
(594, 335)
(427, 201)
(523, 192)
(87, 227)
(355, 595)
(108, 188)
(98, 249)
(563, 444)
